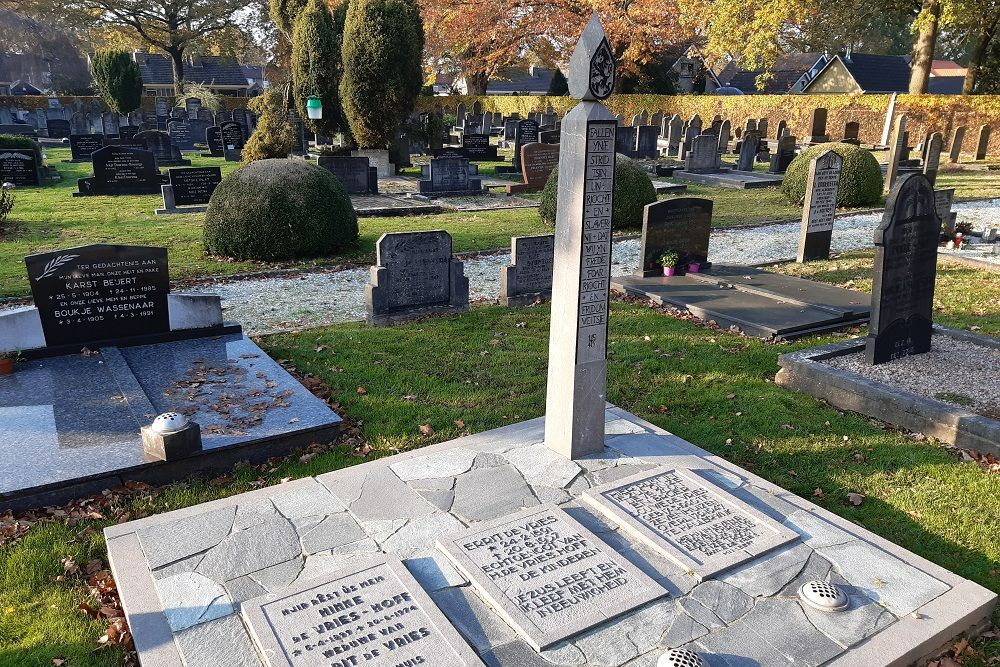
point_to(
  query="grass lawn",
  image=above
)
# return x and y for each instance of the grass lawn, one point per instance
(48, 218)
(487, 368)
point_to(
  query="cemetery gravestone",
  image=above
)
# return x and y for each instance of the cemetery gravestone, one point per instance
(943, 199)
(478, 148)
(19, 167)
(932, 157)
(625, 139)
(674, 135)
(380, 613)
(817, 127)
(818, 214)
(100, 292)
(81, 146)
(213, 137)
(122, 170)
(852, 130)
(537, 162)
(415, 274)
(956, 144)
(110, 122)
(180, 134)
(460, 115)
(703, 157)
(691, 521)
(578, 336)
(162, 108)
(896, 151)
(645, 142)
(984, 142)
(78, 124)
(59, 128)
(354, 173)
(527, 133)
(906, 246)
(450, 175)
(163, 149)
(194, 186)
(528, 277)
(682, 225)
(232, 140)
(762, 128)
(781, 129)
(192, 105)
(128, 132)
(749, 147)
(547, 575)
(656, 120)
(784, 155)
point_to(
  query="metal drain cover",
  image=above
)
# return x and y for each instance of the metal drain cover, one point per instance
(680, 657)
(823, 596)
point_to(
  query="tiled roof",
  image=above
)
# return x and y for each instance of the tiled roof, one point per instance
(879, 74)
(945, 85)
(534, 81)
(787, 70)
(157, 70)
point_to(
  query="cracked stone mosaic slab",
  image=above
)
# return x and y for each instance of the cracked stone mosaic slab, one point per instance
(698, 525)
(547, 575)
(373, 614)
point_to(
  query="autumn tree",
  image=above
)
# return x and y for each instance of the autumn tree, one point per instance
(117, 80)
(382, 56)
(170, 26)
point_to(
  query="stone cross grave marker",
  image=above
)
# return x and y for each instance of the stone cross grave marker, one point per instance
(749, 148)
(18, 166)
(956, 144)
(932, 157)
(896, 151)
(546, 575)
(415, 274)
(528, 277)
(906, 245)
(689, 520)
(99, 292)
(984, 142)
(820, 208)
(370, 613)
(578, 335)
(682, 225)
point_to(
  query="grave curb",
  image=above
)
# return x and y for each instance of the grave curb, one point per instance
(803, 371)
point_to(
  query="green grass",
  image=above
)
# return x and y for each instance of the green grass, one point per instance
(486, 369)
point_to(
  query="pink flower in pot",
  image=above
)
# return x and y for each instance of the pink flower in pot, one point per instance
(668, 260)
(693, 267)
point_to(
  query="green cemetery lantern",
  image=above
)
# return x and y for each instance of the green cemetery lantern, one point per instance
(314, 108)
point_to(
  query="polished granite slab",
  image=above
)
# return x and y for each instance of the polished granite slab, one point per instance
(76, 418)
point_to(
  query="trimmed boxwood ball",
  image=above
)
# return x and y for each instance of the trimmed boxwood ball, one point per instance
(860, 179)
(279, 209)
(633, 190)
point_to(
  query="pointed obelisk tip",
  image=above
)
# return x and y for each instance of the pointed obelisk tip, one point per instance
(592, 67)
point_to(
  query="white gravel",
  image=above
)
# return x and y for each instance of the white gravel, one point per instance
(956, 367)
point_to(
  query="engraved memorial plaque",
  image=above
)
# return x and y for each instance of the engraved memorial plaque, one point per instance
(418, 265)
(194, 186)
(82, 145)
(371, 614)
(18, 167)
(529, 275)
(691, 521)
(547, 575)
(822, 188)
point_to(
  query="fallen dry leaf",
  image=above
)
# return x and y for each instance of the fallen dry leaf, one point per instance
(362, 391)
(817, 492)
(855, 498)
(425, 429)
(460, 423)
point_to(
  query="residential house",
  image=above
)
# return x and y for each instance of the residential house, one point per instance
(691, 74)
(223, 76)
(791, 73)
(531, 80)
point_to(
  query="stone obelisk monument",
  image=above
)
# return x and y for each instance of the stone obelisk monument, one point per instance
(578, 334)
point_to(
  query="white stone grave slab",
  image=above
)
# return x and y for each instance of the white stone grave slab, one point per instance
(547, 575)
(698, 525)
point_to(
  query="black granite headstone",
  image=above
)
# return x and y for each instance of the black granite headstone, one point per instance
(906, 246)
(625, 140)
(450, 175)
(213, 136)
(682, 225)
(122, 170)
(784, 155)
(100, 292)
(128, 132)
(82, 145)
(527, 133)
(355, 173)
(478, 148)
(59, 128)
(18, 166)
(194, 186)
(645, 143)
(180, 134)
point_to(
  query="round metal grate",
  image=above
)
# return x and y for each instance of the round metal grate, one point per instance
(680, 657)
(823, 596)
(169, 422)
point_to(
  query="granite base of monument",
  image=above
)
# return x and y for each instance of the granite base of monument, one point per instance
(71, 423)
(309, 566)
(757, 302)
(808, 371)
(738, 180)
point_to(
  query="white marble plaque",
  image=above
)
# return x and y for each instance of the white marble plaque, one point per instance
(547, 575)
(374, 614)
(698, 525)
(595, 252)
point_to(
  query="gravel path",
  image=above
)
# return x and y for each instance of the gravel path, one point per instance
(269, 305)
(955, 371)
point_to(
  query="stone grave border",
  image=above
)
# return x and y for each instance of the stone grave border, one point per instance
(804, 371)
(966, 606)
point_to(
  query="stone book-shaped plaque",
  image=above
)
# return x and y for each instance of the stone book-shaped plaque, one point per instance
(372, 613)
(547, 575)
(698, 525)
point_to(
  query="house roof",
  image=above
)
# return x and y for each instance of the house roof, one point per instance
(788, 68)
(945, 85)
(947, 68)
(24, 88)
(873, 73)
(521, 80)
(157, 70)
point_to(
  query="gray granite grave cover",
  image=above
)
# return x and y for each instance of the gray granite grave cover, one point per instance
(184, 575)
(689, 519)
